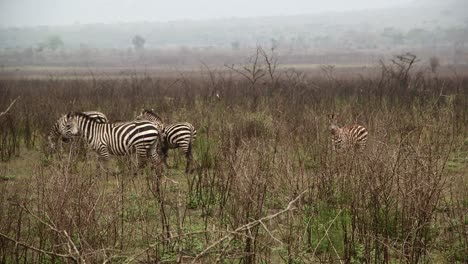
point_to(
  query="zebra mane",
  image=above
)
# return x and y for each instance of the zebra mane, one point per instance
(151, 112)
(80, 114)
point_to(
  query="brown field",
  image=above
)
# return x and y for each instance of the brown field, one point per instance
(267, 187)
(349, 71)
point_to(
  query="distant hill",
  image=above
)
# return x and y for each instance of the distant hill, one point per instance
(366, 29)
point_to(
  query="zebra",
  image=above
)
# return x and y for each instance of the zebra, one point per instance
(118, 139)
(150, 115)
(57, 130)
(348, 137)
(177, 135)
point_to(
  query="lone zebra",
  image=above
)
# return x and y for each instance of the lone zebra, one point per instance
(348, 137)
(177, 135)
(58, 129)
(119, 139)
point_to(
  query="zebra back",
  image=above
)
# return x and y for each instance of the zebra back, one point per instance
(118, 138)
(98, 116)
(180, 134)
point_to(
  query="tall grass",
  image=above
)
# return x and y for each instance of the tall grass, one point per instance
(267, 188)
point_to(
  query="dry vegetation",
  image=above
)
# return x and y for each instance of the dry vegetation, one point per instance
(267, 188)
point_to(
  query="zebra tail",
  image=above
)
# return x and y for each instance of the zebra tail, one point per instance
(153, 149)
(193, 134)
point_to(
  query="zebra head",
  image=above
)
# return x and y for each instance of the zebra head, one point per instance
(70, 127)
(333, 124)
(151, 115)
(150, 112)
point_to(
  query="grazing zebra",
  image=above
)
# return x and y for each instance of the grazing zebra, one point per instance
(177, 135)
(57, 131)
(119, 139)
(348, 137)
(150, 115)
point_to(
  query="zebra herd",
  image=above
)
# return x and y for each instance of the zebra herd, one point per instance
(147, 135)
(150, 138)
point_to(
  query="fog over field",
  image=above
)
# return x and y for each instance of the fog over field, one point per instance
(66, 12)
(181, 33)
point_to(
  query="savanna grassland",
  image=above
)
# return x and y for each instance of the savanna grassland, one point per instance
(267, 187)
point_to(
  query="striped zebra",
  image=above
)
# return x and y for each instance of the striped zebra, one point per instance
(348, 137)
(150, 115)
(177, 135)
(57, 131)
(120, 139)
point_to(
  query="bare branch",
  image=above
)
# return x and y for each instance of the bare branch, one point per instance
(272, 63)
(326, 232)
(8, 108)
(249, 226)
(38, 249)
(72, 248)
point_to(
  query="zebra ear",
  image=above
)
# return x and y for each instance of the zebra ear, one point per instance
(332, 118)
(73, 114)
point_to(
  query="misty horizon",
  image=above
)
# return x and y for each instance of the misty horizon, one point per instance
(26, 13)
(144, 32)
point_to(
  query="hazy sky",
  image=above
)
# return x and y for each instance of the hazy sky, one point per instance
(60, 12)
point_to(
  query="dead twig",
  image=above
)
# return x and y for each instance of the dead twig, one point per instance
(68, 256)
(74, 253)
(248, 226)
(326, 233)
(9, 107)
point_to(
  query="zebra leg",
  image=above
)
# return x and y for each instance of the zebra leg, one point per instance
(164, 151)
(142, 161)
(189, 157)
(155, 154)
(103, 161)
(143, 154)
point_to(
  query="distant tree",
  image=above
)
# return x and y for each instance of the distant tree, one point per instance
(457, 36)
(458, 54)
(28, 53)
(138, 42)
(302, 43)
(394, 36)
(84, 50)
(419, 36)
(274, 43)
(54, 42)
(184, 50)
(40, 47)
(434, 63)
(235, 45)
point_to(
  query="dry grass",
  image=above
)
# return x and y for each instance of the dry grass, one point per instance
(267, 189)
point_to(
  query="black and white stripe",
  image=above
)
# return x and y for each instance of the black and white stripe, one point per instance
(119, 139)
(150, 115)
(177, 135)
(348, 137)
(57, 130)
